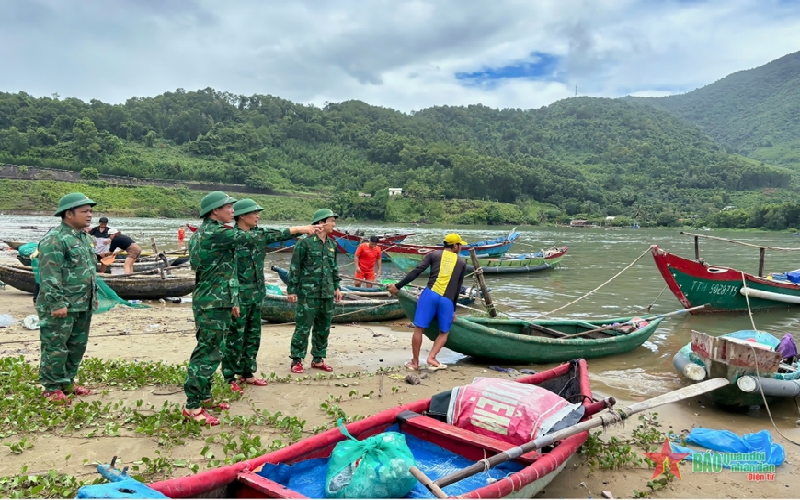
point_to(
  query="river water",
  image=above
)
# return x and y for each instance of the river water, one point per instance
(594, 256)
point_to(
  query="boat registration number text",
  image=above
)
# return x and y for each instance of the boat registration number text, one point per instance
(714, 288)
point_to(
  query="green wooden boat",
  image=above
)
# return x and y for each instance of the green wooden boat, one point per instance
(509, 264)
(533, 341)
(352, 309)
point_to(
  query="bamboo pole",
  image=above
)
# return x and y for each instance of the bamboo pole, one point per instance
(696, 247)
(484, 289)
(612, 417)
(761, 262)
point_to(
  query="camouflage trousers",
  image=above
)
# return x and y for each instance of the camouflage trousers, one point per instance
(63, 346)
(212, 326)
(317, 314)
(241, 344)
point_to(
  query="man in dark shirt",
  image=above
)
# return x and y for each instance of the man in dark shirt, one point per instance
(121, 242)
(101, 231)
(438, 300)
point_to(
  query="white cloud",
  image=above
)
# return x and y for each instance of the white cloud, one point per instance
(402, 55)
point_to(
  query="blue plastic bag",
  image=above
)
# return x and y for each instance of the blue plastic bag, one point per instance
(725, 441)
(376, 467)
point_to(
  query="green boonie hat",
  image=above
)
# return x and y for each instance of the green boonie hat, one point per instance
(323, 213)
(212, 200)
(245, 206)
(73, 200)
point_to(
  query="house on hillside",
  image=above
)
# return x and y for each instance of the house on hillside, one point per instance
(395, 191)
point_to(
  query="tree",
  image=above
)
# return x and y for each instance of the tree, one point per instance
(90, 174)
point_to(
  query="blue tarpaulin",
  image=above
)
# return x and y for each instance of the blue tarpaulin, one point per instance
(724, 441)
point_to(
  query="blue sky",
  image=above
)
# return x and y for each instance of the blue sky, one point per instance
(405, 55)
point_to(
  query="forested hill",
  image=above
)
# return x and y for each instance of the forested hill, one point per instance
(755, 112)
(584, 155)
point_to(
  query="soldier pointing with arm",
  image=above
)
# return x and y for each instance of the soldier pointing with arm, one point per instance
(67, 298)
(216, 299)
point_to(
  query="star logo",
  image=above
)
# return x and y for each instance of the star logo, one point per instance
(666, 460)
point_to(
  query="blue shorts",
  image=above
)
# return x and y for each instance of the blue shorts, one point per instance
(432, 305)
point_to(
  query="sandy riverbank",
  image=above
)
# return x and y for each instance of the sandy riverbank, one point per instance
(132, 334)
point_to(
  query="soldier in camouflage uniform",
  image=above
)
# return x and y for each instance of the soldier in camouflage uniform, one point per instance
(215, 301)
(314, 285)
(242, 342)
(67, 298)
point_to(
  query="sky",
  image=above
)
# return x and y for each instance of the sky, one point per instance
(403, 54)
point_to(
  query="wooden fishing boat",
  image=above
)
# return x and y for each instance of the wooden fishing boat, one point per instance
(352, 309)
(696, 282)
(14, 244)
(538, 341)
(407, 257)
(119, 264)
(508, 264)
(349, 243)
(463, 299)
(439, 449)
(128, 287)
(735, 357)
(276, 247)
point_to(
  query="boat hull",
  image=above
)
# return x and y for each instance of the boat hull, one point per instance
(493, 338)
(278, 309)
(242, 481)
(694, 283)
(127, 287)
(349, 243)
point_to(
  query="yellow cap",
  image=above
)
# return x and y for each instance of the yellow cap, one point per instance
(454, 239)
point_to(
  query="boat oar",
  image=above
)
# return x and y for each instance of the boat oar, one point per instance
(649, 318)
(612, 417)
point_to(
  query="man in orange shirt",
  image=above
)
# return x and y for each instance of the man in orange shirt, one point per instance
(367, 254)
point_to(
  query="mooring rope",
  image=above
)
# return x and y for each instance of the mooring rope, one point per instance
(656, 299)
(758, 372)
(599, 287)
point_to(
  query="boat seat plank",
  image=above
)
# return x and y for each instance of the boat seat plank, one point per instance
(431, 426)
(268, 487)
(736, 352)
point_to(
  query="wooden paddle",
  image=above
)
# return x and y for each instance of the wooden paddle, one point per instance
(689, 391)
(649, 318)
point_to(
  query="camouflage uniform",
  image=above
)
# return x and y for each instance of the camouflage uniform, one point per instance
(313, 277)
(68, 279)
(242, 342)
(211, 255)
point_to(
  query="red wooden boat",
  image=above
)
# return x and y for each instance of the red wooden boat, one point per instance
(529, 473)
(695, 282)
(349, 243)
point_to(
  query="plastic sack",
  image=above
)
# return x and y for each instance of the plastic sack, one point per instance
(376, 467)
(793, 276)
(510, 411)
(725, 441)
(28, 248)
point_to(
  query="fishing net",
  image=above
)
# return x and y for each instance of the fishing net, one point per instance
(106, 297)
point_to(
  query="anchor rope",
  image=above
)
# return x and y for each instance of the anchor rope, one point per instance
(599, 287)
(758, 372)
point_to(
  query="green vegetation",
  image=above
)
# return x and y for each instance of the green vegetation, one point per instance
(142, 201)
(178, 447)
(754, 112)
(581, 157)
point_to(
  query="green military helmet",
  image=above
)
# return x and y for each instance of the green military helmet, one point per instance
(245, 206)
(73, 200)
(322, 214)
(212, 200)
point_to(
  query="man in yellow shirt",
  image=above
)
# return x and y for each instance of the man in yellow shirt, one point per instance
(438, 300)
